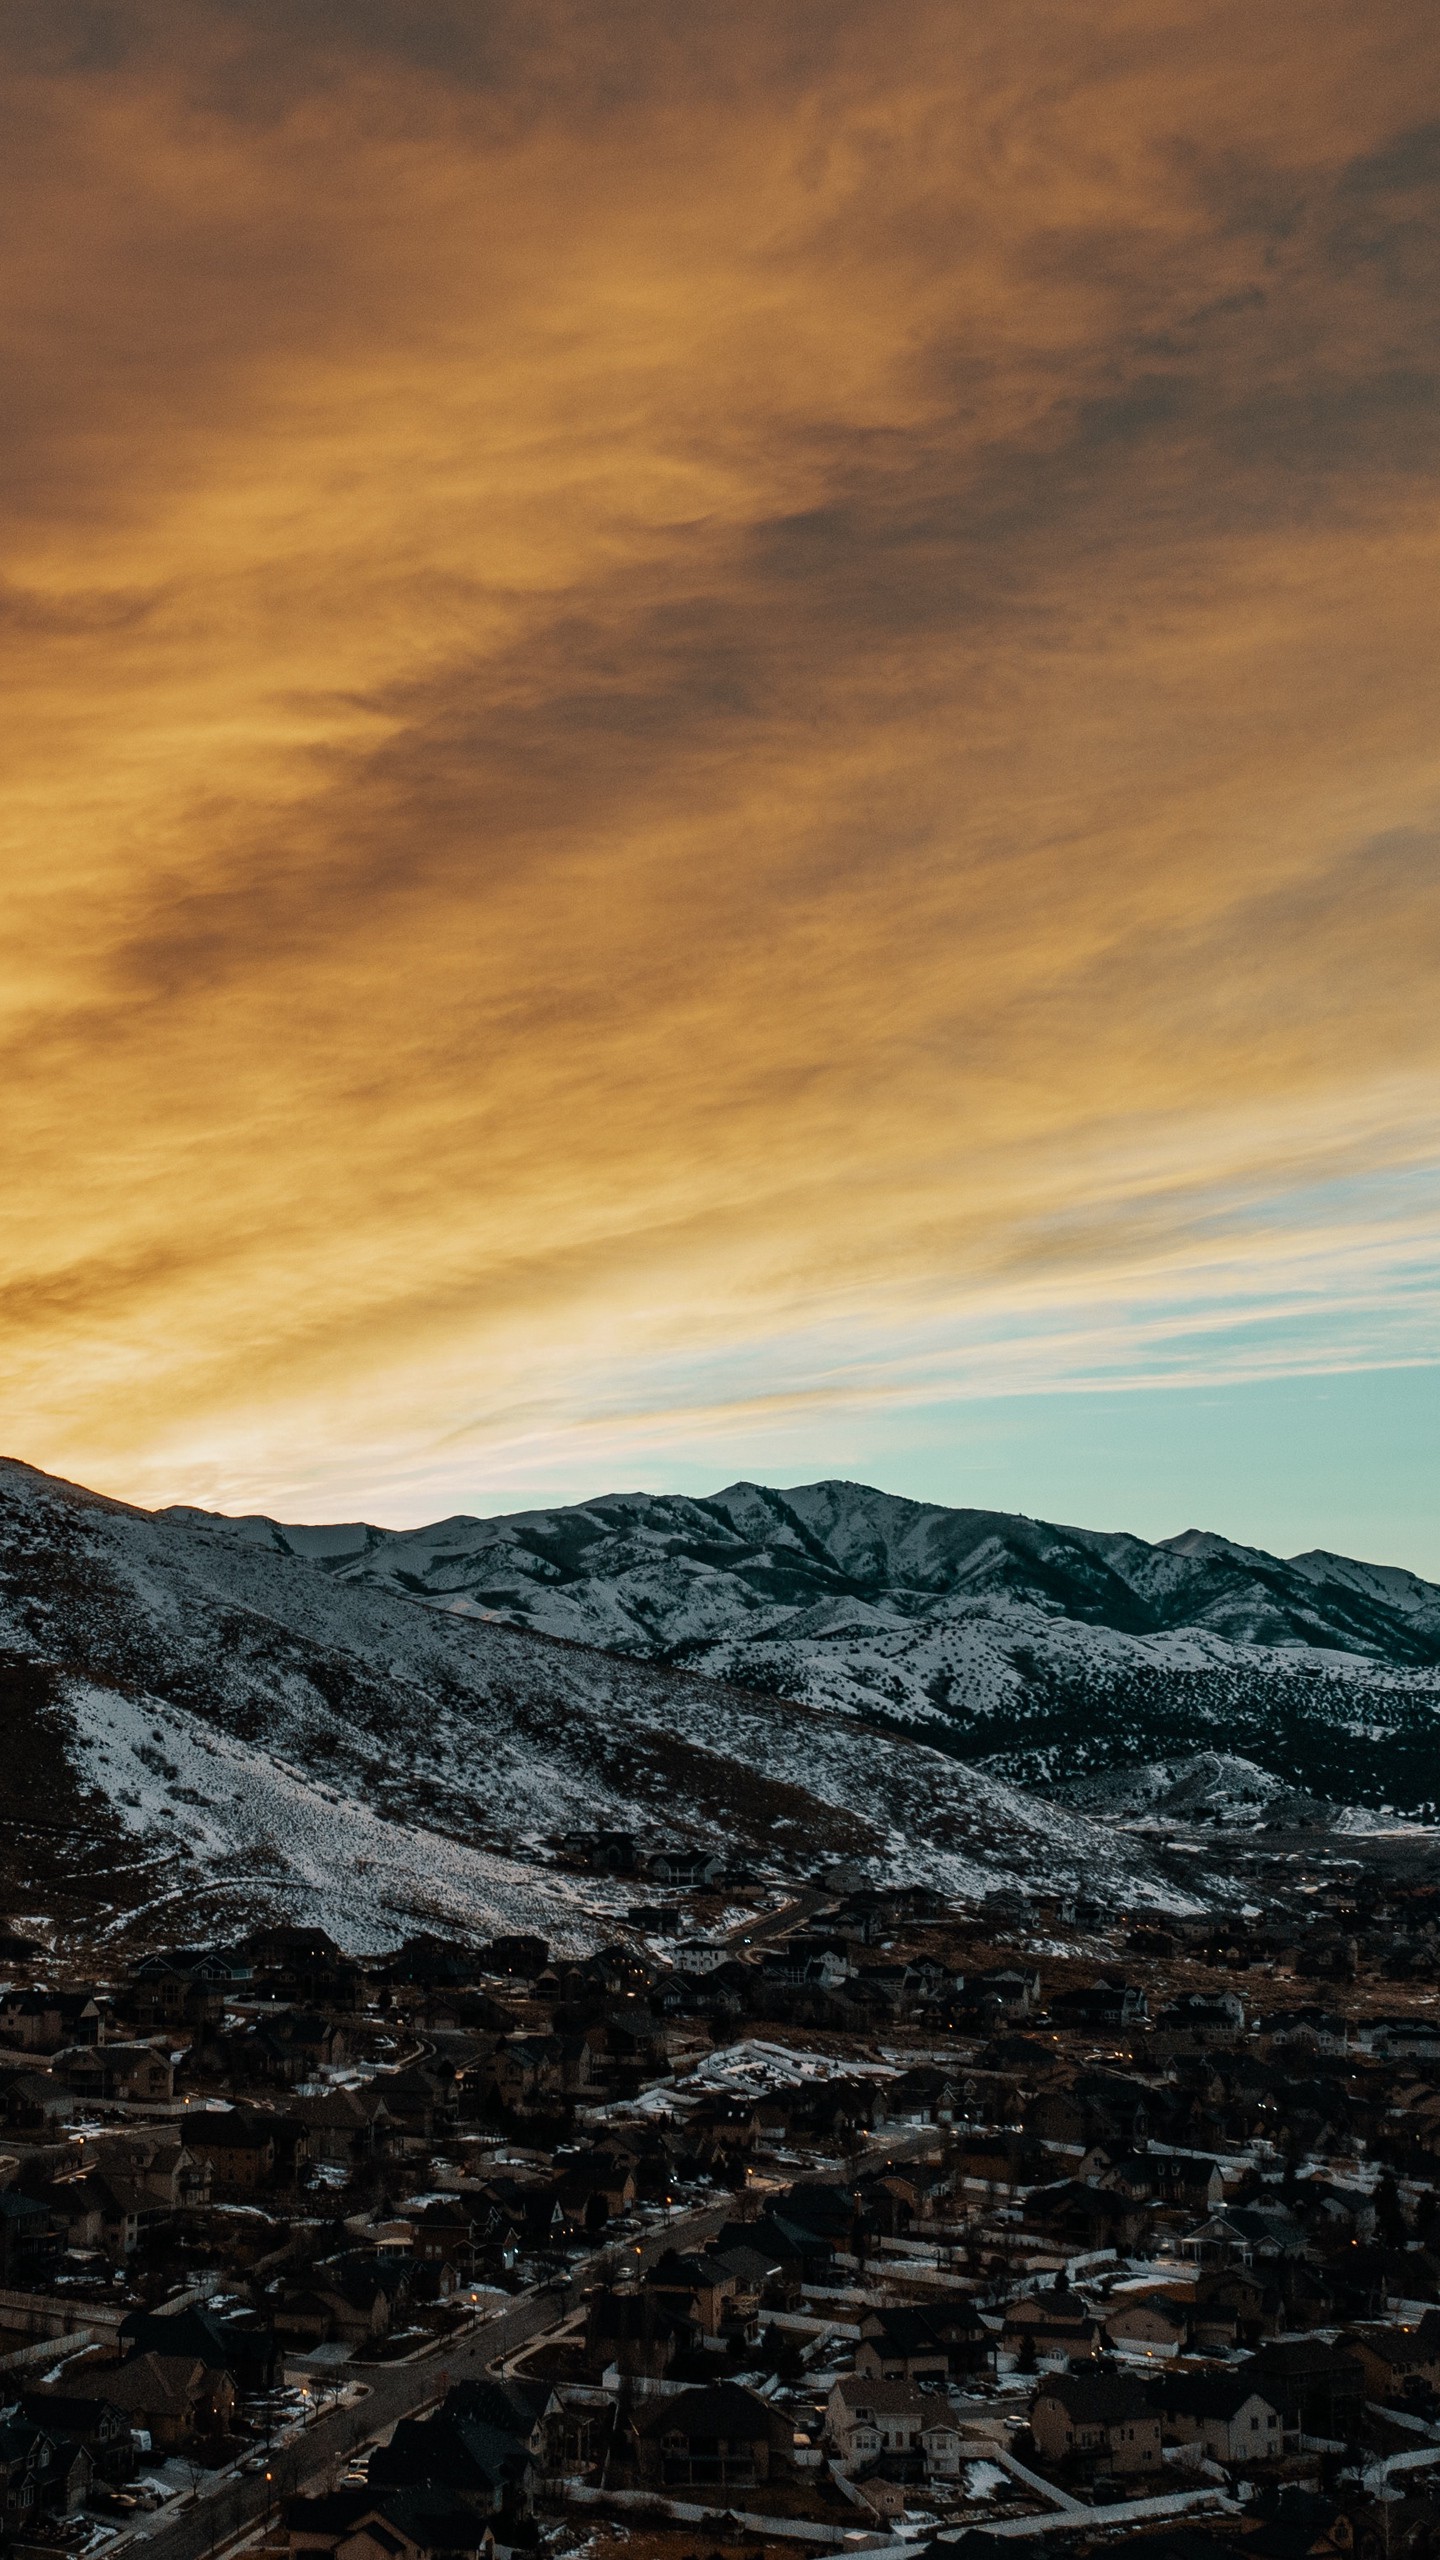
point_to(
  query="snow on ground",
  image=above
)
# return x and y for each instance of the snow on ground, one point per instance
(1212, 1786)
(330, 1747)
(982, 2479)
(1362, 1821)
(247, 1821)
(862, 1599)
(1032, 1650)
(752, 2069)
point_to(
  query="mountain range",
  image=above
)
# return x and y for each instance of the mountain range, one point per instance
(201, 1726)
(208, 1719)
(1041, 1653)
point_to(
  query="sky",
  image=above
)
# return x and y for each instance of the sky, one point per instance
(721, 754)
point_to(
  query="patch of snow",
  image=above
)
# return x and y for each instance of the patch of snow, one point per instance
(232, 1818)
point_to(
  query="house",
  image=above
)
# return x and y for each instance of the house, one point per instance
(1156, 2323)
(185, 1985)
(167, 2170)
(176, 2399)
(1407, 2529)
(528, 2210)
(1056, 2322)
(1196, 2186)
(601, 2173)
(285, 1946)
(352, 2297)
(720, 2436)
(865, 1915)
(1224, 2414)
(463, 2456)
(526, 2069)
(282, 2048)
(443, 2233)
(1318, 2388)
(1096, 2422)
(1232, 2307)
(701, 2289)
(145, 2187)
(78, 2210)
(927, 1979)
(1413, 2039)
(435, 1964)
(613, 1852)
(423, 2098)
(342, 2126)
(1012, 1991)
(127, 2212)
(806, 1963)
(1309, 2030)
(1274, 2234)
(39, 2472)
(313, 2315)
(385, 2524)
(621, 1970)
(688, 1868)
(868, 2419)
(1103, 2004)
(1003, 2163)
(1080, 2216)
(129, 2071)
(1394, 2359)
(1196, 2021)
(1307, 2527)
(701, 1955)
(901, 2345)
(48, 2021)
(908, 2194)
(1244, 2235)
(927, 2093)
(1336, 2212)
(529, 2411)
(748, 2275)
(89, 2419)
(237, 2341)
(1130, 2173)
(517, 1952)
(306, 1961)
(33, 2100)
(121, 2205)
(635, 2334)
(240, 2145)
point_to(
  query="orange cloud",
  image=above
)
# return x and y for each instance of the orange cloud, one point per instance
(668, 675)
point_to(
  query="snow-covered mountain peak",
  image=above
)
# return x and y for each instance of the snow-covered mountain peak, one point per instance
(1210, 1542)
(987, 1632)
(224, 1722)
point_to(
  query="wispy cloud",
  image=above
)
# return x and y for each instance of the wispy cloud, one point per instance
(706, 712)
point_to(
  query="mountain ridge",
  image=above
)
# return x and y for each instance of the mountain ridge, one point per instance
(236, 1731)
(1007, 1640)
(1400, 1621)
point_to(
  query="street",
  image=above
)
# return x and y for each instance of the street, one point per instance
(243, 2499)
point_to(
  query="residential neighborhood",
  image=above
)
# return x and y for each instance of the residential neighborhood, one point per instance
(800, 2216)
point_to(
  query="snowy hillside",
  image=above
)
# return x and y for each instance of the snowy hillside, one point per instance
(204, 1722)
(1214, 1787)
(1001, 1639)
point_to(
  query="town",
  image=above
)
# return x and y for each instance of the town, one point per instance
(804, 2215)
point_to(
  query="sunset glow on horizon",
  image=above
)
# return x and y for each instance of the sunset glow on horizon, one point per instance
(721, 742)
